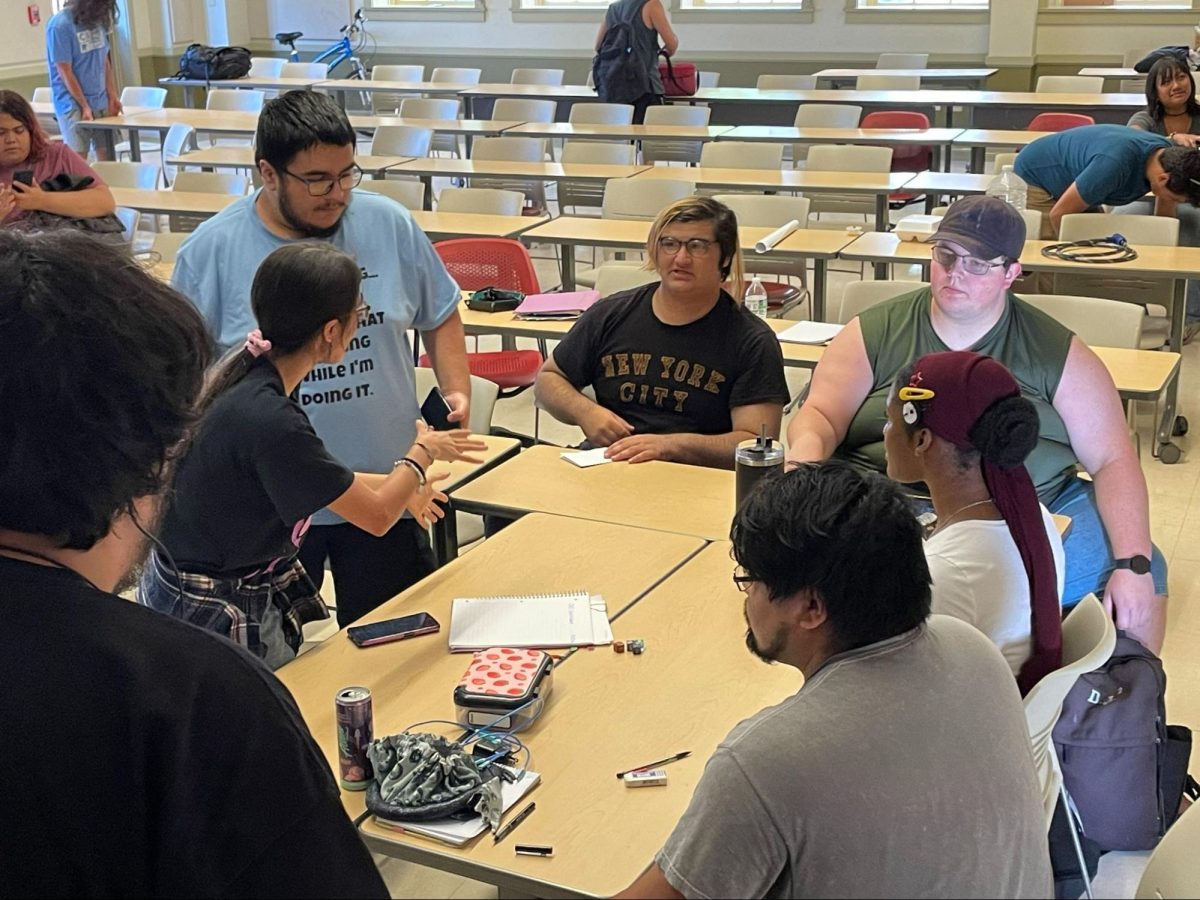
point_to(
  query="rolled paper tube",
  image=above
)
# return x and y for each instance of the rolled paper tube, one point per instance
(769, 242)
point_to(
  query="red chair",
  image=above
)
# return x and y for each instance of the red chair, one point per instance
(477, 263)
(1055, 121)
(905, 157)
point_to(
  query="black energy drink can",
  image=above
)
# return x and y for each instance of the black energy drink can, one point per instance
(354, 730)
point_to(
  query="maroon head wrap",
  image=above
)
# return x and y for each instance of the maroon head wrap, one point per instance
(963, 386)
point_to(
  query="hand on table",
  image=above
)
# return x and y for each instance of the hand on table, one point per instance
(639, 448)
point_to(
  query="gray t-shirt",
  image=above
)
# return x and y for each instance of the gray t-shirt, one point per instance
(1143, 120)
(901, 769)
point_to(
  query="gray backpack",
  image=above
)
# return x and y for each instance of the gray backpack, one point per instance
(1124, 767)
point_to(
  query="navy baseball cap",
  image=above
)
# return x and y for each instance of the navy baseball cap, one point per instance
(986, 227)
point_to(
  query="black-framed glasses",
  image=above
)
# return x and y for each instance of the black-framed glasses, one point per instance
(320, 187)
(741, 580)
(695, 246)
(948, 259)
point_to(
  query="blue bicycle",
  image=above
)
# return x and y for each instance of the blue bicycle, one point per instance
(345, 49)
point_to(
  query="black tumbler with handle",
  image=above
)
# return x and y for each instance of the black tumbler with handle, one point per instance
(754, 460)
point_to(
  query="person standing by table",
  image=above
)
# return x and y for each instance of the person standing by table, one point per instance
(647, 20)
(81, 72)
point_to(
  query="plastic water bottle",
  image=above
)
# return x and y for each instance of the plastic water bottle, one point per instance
(756, 298)
(1009, 187)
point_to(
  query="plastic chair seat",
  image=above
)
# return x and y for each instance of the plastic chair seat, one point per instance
(511, 370)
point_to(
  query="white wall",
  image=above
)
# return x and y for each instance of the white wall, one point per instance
(22, 46)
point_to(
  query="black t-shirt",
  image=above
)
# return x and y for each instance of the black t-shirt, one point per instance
(253, 476)
(665, 379)
(146, 757)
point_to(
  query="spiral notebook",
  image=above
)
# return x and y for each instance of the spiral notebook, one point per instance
(545, 621)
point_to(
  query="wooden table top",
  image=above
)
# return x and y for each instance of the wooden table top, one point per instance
(1111, 72)
(498, 448)
(392, 87)
(534, 91)
(950, 182)
(786, 134)
(924, 74)
(997, 137)
(442, 225)
(924, 97)
(46, 109)
(544, 171)
(613, 711)
(619, 132)
(476, 127)
(217, 120)
(243, 158)
(413, 680)
(257, 82)
(167, 202)
(784, 179)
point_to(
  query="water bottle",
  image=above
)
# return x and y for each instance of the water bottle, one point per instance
(1009, 187)
(756, 298)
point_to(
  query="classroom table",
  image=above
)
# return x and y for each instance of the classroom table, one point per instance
(598, 132)
(413, 680)
(445, 530)
(953, 184)
(215, 121)
(610, 712)
(243, 158)
(252, 82)
(980, 139)
(184, 203)
(554, 92)
(970, 78)
(444, 225)
(469, 128)
(1113, 73)
(938, 138)
(570, 232)
(341, 87)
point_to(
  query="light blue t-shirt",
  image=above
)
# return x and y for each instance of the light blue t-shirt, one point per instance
(364, 408)
(1106, 163)
(86, 50)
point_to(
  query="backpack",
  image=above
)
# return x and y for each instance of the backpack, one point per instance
(1180, 52)
(617, 73)
(1124, 767)
(213, 63)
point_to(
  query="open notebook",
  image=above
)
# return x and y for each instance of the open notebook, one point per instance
(575, 619)
(456, 830)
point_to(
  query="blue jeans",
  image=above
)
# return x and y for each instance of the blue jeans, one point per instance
(1087, 550)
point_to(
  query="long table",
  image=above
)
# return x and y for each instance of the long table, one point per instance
(243, 158)
(251, 82)
(184, 203)
(980, 139)
(600, 132)
(971, 78)
(214, 121)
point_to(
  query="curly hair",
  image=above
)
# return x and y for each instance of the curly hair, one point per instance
(13, 104)
(1182, 165)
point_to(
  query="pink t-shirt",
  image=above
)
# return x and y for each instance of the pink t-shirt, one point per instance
(57, 159)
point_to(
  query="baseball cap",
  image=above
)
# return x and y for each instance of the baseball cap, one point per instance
(986, 227)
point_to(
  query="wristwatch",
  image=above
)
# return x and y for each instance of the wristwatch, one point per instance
(1138, 565)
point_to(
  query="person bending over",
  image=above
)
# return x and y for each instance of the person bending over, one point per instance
(81, 72)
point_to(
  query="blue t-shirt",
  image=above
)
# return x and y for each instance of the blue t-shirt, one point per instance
(1106, 163)
(85, 49)
(364, 408)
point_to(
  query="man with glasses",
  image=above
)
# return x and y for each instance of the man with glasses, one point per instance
(970, 306)
(364, 407)
(681, 370)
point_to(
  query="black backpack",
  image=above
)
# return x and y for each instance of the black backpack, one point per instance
(213, 63)
(1177, 51)
(619, 76)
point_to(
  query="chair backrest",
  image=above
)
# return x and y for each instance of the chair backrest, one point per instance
(786, 82)
(445, 75)
(1069, 84)
(678, 114)
(401, 140)
(426, 108)
(476, 263)
(512, 149)
(888, 83)
(398, 73)
(742, 155)
(179, 140)
(766, 211)
(1174, 868)
(166, 244)
(1058, 121)
(672, 149)
(860, 295)
(43, 95)
(849, 158)
(905, 157)
(1089, 637)
(266, 66)
(1114, 283)
(129, 219)
(1158, 231)
(490, 201)
(601, 114)
(709, 79)
(210, 182)
(241, 101)
(127, 174)
(1003, 159)
(612, 278)
(409, 193)
(895, 118)
(634, 199)
(304, 70)
(153, 97)
(522, 109)
(827, 115)
(537, 76)
(483, 398)
(902, 61)
(1097, 321)
(606, 153)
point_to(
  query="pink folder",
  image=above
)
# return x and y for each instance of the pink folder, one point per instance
(561, 305)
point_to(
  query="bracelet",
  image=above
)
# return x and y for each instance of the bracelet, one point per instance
(418, 470)
(428, 452)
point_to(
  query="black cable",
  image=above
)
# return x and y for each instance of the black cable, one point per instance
(1111, 249)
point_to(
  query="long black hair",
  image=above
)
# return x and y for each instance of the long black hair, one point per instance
(94, 13)
(1163, 71)
(296, 290)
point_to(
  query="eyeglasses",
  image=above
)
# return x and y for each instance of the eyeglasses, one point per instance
(320, 187)
(947, 259)
(696, 247)
(742, 580)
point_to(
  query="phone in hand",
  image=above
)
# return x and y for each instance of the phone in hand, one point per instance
(436, 411)
(25, 177)
(393, 630)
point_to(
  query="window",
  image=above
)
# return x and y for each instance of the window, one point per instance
(563, 4)
(745, 4)
(1127, 4)
(921, 4)
(420, 5)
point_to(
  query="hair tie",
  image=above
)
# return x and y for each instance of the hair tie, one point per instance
(256, 344)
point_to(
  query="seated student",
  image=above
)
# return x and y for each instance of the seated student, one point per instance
(256, 471)
(969, 306)
(957, 423)
(145, 758)
(682, 371)
(24, 147)
(901, 768)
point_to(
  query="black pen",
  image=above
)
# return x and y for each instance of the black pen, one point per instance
(507, 829)
(658, 762)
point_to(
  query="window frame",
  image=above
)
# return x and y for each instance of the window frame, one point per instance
(909, 15)
(430, 11)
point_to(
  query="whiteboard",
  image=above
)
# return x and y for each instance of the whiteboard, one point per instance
(318, 19)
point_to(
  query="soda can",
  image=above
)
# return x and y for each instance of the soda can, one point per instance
(354, 727)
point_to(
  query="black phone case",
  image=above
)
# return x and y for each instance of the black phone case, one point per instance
(436, 411)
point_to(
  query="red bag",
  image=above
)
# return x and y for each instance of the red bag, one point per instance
(679, 79)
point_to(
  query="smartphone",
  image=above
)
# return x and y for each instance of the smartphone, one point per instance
(393, 630)
(436, 411)
(25, 177)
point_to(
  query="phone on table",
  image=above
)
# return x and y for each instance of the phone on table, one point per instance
(436, 411)
(393, 630)
(25, 177)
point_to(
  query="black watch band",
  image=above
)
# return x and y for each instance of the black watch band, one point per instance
(1138, 565)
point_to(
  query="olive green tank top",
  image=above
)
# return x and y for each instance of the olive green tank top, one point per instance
(1031, 344)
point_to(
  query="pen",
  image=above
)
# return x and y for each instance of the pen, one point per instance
(507, 829)
(660, 762)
